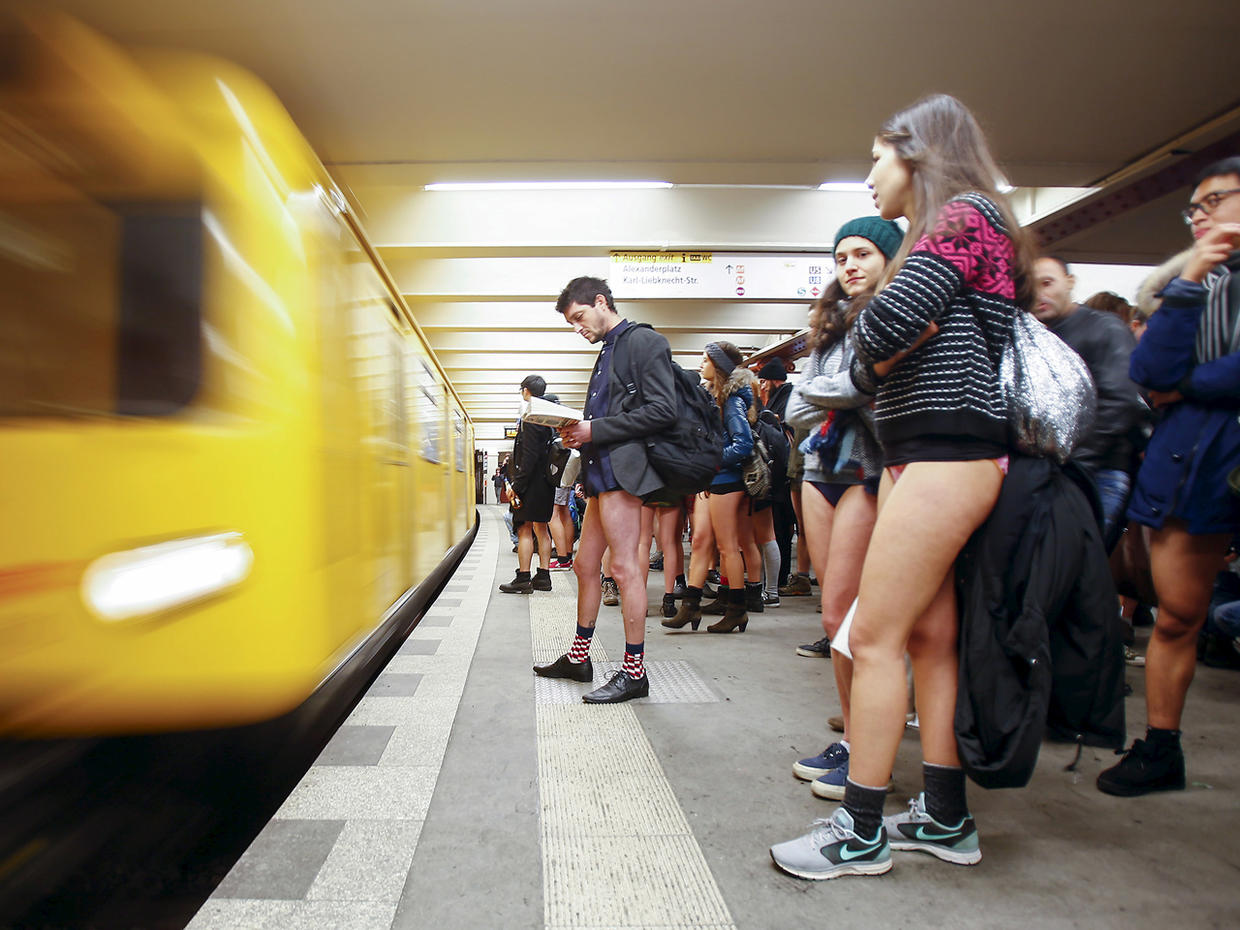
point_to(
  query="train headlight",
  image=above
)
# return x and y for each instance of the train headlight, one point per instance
(123, 585)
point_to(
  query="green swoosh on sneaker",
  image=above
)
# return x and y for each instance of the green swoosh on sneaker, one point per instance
(933, 837)
(847, 854)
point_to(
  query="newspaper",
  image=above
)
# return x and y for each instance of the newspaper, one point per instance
(544, 413)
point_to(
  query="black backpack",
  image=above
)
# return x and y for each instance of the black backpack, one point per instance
(687, 455)
(557, 458)
(777, 448)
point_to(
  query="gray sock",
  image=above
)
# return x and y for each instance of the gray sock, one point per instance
(770, 566)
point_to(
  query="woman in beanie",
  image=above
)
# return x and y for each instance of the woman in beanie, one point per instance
(928, 346)
(843, 461)
(717, 513)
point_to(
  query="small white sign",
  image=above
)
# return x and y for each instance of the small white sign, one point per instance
(720, 275)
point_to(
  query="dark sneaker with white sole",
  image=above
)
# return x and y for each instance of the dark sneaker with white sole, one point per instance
(818, 650)
(916, 831)
(830, 758)
(831, 849)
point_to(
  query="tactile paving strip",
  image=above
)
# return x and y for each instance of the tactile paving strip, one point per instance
(617, 848)
(673, 682)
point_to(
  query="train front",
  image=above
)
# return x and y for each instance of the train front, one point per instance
(161, 443)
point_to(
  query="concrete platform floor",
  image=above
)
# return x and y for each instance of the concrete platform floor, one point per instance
(549, 813)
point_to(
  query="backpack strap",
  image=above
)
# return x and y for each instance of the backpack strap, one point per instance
(625, 372)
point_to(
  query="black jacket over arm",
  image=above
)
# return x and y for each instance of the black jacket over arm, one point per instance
(1041, 648)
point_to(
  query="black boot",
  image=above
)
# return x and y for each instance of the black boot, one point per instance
(735, 617)
(690, 610)
(519, 585)
(542, 580)
(669, 605)
(753, 598)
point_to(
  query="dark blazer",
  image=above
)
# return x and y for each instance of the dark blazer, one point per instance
(644, 356)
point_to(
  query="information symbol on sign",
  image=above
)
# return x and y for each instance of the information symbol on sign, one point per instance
(740, 292)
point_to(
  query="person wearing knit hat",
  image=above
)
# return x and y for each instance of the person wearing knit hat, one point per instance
(885, 234)
(838, 500)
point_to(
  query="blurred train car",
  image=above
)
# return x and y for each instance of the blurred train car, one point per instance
(227, 454)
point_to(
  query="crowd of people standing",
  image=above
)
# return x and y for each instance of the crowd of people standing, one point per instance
(894, 448)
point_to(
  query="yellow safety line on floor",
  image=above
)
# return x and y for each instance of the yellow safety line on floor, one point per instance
(617, 848)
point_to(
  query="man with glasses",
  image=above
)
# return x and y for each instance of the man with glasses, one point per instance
(1189, 359)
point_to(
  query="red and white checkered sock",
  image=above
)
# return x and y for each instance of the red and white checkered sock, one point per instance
(580, 650)
(634, 664)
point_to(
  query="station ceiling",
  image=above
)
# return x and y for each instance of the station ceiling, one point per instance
(729, 98)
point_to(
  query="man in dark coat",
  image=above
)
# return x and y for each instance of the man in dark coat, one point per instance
(617, 476)
(527, 472)
(1105, 343)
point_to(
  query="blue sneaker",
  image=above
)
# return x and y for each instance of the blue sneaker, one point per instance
(917, 831)
(831, 849)
(830, 758)
(831, 785)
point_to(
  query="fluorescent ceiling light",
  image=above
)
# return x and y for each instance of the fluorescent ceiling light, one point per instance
(850, 187)
(546, 185)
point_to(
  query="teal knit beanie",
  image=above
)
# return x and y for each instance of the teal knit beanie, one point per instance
(885, 234)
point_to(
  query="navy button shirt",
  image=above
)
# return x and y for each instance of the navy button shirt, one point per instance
(595, 460)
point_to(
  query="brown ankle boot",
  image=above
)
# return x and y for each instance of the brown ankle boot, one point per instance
(735, 616)
(690, 611)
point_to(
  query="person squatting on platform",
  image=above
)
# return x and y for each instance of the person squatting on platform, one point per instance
(617, 476)
(928, 345)
(1189, 360)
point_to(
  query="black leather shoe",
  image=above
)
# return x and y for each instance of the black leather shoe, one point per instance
(620, 688)
(541, 581)
(562, 668)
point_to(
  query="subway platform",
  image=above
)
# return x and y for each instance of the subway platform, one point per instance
(464, 792)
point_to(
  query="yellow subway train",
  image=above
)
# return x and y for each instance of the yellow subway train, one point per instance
(227, 454)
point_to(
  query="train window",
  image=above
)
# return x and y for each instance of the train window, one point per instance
(159, 341)
(102, 308)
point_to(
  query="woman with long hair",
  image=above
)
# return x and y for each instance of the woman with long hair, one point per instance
(718, 512)
(840, 488)
(928, 347)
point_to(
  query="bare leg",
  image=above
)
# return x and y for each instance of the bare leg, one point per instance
(750, 552)
(544, 545)
(1184, 567)
(587, 566)
(525, 545)
(923, 522)
(725, 519)
(671, 527)
(841, 577)
(816, 528)
(702, 551)
(562, 531)
(621, 517)
(803, 556)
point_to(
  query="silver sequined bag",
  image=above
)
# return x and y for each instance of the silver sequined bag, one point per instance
(1050, 395)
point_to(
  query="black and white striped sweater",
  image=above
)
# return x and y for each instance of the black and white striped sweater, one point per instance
(961, 276)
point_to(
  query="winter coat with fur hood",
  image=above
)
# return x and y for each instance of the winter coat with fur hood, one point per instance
(739, 415)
